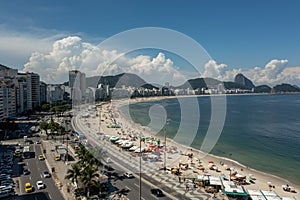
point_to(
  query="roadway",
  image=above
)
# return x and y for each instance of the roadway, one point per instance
(36, 168)
(130, 186)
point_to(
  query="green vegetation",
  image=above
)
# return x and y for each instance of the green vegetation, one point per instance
(85, 169)
(54, 127)
(59, 106)
(262, 89)
(285, 88)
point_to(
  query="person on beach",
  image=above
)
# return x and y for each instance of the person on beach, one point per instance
(187, 187)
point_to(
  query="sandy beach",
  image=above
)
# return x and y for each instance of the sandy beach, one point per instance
(222, 167)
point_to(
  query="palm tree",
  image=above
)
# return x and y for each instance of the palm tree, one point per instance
(44, 126)
(74, 173)
(82, 155)
(88, 176)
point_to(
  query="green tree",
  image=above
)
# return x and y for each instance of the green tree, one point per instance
(87, 178)
(74, 173)
(53, 126)
(44, 126)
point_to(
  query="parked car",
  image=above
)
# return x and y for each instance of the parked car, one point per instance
(6, 193)
(104, 172)
(57, 158)
(40, 185)
(8, 183)
(26, 171)
(5, 188)
(108, 167)
(41, 157)
(157, 192)
(28, 187)
(46, 174)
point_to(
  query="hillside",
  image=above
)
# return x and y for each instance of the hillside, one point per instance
(285, 88)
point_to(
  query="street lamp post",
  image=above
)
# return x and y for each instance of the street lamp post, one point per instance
(140, 181)
(230, 169)
(165, 139)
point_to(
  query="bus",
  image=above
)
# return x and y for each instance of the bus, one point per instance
(26, 152)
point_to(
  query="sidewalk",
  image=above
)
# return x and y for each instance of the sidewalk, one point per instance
(60, 168)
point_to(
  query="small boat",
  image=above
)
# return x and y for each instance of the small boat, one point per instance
(138, 150)
(127, 145)
(113, 139)
(133, 148)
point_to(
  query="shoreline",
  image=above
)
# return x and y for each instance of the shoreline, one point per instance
(265, 176)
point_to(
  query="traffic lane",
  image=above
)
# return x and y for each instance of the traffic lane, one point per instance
(51, 188)
(37, 167)
(31, 196)
(27, 178)
(131, 186)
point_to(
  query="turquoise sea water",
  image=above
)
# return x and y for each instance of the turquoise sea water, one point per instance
(260, 131)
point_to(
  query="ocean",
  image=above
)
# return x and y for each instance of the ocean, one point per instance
(260, 131)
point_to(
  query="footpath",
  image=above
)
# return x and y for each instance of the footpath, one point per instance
(58, 169)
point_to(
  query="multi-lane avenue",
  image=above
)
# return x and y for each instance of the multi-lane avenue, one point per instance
(36, 168)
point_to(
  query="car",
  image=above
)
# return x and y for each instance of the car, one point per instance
(8, 183)
(28, 187)
(57, 158)
(108, 167)
(104, 172)
(128, 175)
(6, 171)
(157, 192)
(41, 157)
(6, 188)
(6, 193)
(40, 185)
(4, 177)
(46, 174)
(76, 148)
(26, 171)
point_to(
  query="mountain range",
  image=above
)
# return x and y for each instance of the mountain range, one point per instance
(240, 82)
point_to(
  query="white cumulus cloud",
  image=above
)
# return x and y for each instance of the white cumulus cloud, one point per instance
(274, 72)
(72, 53)
(214, 70)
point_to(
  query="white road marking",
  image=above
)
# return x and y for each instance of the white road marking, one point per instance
(49, 196)
(127, 187)
(136, 185)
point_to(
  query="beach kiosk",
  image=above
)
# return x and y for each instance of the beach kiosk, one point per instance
(215, 182)
(256, 195)
(270, 195)
(234, 191)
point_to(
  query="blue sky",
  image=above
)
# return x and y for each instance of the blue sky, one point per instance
(241, 34)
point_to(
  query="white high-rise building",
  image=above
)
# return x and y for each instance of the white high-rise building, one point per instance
(7, 92)
(77, 83)
(33, 91)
